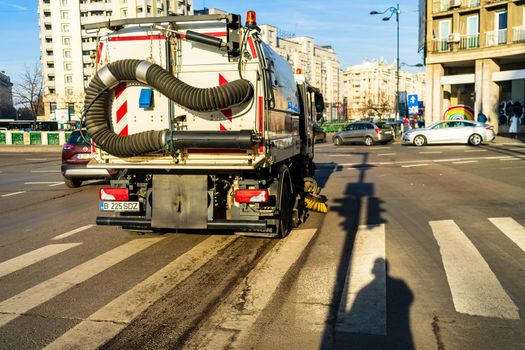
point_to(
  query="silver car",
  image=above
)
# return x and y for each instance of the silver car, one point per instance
(451, 131)
(366, 132)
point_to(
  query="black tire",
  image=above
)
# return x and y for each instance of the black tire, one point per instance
(72, 183)
(338, 141)
(420, 140)
(285, 211)
(369, 141)
(475, 140)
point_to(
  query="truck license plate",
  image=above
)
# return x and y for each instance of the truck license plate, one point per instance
(119, 206)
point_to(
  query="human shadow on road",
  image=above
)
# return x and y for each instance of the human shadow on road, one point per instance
(357, 328)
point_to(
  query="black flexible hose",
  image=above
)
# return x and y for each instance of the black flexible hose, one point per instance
(198, 99)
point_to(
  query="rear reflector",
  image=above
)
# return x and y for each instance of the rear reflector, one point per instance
(113, 194)
(378, 131)
(251, 196)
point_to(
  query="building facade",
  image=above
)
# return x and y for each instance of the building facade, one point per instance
(6, 96)
(319, 64)
(371, 87)
(68, 50)
(474, 54)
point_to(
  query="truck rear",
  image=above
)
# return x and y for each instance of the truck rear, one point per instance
(208, 125)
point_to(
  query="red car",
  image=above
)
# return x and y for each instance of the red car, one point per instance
(76, 153)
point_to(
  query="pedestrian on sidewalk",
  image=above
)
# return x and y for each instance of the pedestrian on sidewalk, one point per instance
(406, 124)
(514, 126)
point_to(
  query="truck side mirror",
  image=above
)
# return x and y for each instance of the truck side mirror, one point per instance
(319, 105)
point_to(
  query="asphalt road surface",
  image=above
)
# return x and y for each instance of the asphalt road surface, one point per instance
(422, 248)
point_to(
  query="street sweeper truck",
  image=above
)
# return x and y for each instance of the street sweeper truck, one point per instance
(210, 128)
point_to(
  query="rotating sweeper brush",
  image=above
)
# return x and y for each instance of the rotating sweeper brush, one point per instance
(313, 201)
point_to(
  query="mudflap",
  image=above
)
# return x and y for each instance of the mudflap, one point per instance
(180, 202)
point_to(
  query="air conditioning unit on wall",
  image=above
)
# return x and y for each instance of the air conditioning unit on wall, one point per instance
(453, 38)
(454, 3)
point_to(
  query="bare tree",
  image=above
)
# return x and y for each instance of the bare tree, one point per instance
(28, 92)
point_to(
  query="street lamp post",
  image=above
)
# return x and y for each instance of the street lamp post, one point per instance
(393, 10)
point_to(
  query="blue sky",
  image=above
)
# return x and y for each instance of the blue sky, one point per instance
(344, 24)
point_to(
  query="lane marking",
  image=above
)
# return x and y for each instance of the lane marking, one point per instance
(33, 257)
(340, 155)
(431, 152)
(13, 194)
(56, 184)
(475, 288)
(413, 165)
(512, 229)
(109, 320)
(517, 149)
(21, 303)
(510, 159)
(475, 150)
(35, 159)
(367, 272)
(466, 162)
(72, 232)
(40, 183)
(386, 154)
(45, 171)
(232, 321)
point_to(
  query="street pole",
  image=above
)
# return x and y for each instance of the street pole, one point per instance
(397, 64)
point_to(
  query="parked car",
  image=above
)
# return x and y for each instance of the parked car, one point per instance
(366, 132)
(76, 153)
(451, 131)
(319, 134)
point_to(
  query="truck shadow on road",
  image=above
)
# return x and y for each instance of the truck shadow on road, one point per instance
(369, 313)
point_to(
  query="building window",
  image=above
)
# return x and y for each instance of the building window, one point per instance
(68, 66)
(68, 79)
(67, 53)
(65, 28)
(64, 2)
(124, 12)
(64, 15)
(66, 41)
(69, 91)
(71, 109)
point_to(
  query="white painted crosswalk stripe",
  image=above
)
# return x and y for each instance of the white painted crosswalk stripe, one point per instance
(33, 257)
(230, 324)
(474, 287)
(72, 232)
(367, 270)
(105, 323)
(512, 229)
(30, 298)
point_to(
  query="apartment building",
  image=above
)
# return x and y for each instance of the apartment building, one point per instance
(68, 50)
(372, 85)
(6, 96)
(319, 64)
(474, 53)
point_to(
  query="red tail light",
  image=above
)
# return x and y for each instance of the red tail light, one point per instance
(113, 194)
(378, 131)
(251, 196)
(489, 128)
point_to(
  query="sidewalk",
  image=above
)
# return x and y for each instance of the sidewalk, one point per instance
(30, 148)
(507, 138)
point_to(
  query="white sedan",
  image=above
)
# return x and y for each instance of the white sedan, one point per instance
(451, 131)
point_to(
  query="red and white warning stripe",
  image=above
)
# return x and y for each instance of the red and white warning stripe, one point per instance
(225, 125)
(120, 127)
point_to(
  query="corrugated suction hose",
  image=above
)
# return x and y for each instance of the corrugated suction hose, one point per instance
(198, 99)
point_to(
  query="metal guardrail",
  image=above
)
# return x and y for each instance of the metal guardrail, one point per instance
(16, 137)
(442, 45)
(469, 41)
(496, 37)
(518, 34)
(449, 5)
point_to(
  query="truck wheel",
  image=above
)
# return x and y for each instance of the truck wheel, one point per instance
(72, 183)
(285, 211)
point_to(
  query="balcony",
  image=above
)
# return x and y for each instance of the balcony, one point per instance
(448, 5)
(469, 42)
(496, 37)
(518, 34)
(442, 45)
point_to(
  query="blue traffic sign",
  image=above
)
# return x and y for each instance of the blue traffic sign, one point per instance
(413, 106)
